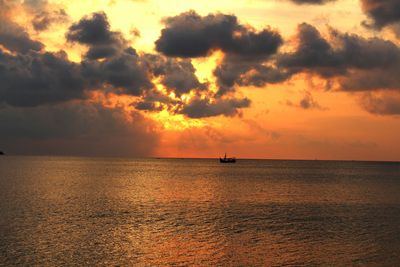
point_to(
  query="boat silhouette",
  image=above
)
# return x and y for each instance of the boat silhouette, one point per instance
(227, 160)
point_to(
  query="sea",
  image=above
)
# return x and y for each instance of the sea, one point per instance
(71, 211)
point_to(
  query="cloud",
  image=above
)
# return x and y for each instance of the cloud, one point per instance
(190, 35)
(358, 63)
(382, 13)
(382, 104)
(307, 102)
(176, 75)
(44, 19)
(94, 31)
(234, 71)
(32, 77)
(199, 108)
(35, 79)
(45, 14)
(15, 38)
(154, 100)
(79, 128)
(126, 72)
(147, 106)
(91, 30)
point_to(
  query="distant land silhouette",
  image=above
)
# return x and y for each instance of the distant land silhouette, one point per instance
(1, 153)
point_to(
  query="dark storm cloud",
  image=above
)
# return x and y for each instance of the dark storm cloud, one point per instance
(238, 71)
(78, 128)
(245, 50)
(94, 31)
(311, 2)
(31, 79)
(313, 53)
(29, 76)
(200, 108)
(36, 79)
(12, 36)
(91, 30)
(386, 104)
(177, 75)
(190, 35)
(15, 38)
(354, 60)
(126, 72)
(381, 12)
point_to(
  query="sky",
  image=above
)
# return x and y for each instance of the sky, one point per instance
(282, 79)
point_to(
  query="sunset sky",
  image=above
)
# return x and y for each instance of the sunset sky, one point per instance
(287, 79)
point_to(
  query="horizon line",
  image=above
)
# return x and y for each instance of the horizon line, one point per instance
(216, 158)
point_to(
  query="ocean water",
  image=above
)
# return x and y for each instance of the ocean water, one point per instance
(64, 211)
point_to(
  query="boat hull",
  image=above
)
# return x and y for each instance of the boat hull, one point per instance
(227, 160)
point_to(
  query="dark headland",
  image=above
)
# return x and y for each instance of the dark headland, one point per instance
(1, 153)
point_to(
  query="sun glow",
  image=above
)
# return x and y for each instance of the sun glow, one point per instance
(176, 121)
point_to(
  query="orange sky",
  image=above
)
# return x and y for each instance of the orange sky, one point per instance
(335, 126)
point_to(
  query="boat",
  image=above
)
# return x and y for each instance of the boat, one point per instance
(227, 160)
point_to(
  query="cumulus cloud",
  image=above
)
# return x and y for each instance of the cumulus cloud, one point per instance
(199, 108)
(126, 72)
(238, 71)
(176, 75)
(382, 13)
(359, 63)
(94, 31)
(15, 38)
(246, 50)
(190, 35)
